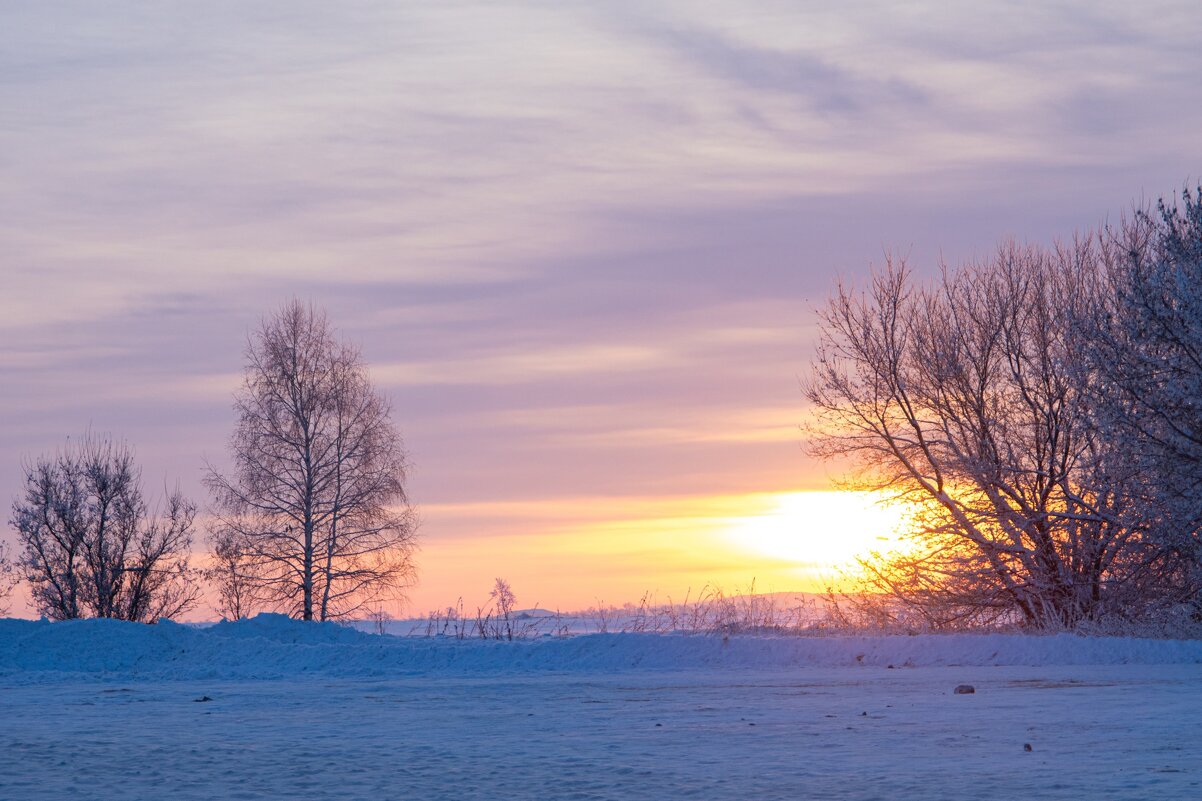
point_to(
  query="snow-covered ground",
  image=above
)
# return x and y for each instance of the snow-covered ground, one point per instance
(99, 710)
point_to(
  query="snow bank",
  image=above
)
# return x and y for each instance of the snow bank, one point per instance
(272, 646)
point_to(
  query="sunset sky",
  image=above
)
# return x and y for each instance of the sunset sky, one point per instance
(580, 244)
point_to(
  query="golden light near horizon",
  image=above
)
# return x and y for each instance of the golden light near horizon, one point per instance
(823, 530)
(590, 551)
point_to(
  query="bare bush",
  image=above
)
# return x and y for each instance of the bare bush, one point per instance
(498, 620)
(8, 579)
(709, 611)
(379, 618)
(449, 622)
(231, 574)
(503, 601)
(91, 547)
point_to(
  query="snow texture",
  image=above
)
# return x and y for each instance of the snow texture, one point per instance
(273, 708)
(274, 646)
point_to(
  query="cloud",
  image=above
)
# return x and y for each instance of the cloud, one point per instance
(525, 366)
(580, 244)
(822, 84)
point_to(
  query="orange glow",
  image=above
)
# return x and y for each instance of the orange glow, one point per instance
(576, 553)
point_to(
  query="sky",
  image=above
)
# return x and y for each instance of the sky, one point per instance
(581, 245)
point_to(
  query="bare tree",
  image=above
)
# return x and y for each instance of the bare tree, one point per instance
(230, 573)
(968, 400)
(90, 546)
(315, 506)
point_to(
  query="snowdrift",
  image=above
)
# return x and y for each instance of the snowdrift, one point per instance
(273, 646)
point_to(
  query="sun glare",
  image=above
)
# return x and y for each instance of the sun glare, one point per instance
(819, 529)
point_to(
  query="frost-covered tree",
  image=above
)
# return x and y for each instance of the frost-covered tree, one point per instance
(90, 545)
(1147, 350)
(968, 399)
(315, 507)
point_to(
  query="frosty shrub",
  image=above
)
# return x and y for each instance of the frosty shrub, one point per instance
(498, 620)
(503, 600)
(1146, 347)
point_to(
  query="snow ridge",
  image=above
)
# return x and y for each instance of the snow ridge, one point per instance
(274, 646)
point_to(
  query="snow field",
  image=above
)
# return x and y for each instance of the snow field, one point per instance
(103, 710)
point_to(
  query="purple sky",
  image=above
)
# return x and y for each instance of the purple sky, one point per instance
(580, 243)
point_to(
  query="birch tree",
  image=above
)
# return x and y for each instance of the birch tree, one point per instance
(315, 506)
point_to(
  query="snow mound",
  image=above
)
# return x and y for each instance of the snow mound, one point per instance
(273, 646)
(281, 628)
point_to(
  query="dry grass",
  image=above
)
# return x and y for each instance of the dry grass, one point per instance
(714, 611)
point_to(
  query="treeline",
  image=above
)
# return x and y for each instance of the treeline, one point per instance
(1041, 413)
(312, 520)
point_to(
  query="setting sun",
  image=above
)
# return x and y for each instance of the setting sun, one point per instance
(825, 530)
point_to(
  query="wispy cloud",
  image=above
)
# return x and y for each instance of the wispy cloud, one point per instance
(579, 242)
(821, 84)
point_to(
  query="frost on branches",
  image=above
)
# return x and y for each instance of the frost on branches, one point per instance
(1042, 413)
